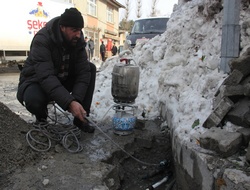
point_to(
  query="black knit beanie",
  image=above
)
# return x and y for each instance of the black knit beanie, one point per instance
(71, 17)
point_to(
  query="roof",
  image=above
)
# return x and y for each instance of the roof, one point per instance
(114, 2)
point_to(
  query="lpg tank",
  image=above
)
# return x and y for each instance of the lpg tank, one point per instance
(125, 81)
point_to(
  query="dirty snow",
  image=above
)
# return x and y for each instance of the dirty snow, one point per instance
(178, 70)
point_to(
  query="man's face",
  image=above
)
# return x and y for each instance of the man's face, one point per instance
(71, 34)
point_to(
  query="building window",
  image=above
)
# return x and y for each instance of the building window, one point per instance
(92, 7)
(110, 15)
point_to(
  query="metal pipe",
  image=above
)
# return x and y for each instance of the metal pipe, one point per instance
(230, 41)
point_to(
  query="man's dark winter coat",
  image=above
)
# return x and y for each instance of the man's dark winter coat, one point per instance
(114, 50)
(45, 60)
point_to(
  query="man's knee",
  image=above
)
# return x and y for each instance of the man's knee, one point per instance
(35, 107)
(35, 98)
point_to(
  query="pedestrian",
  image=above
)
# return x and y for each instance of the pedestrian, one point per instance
(87, 46)
(102, 51)
(91, 48)
(57, 70)
(114, 49)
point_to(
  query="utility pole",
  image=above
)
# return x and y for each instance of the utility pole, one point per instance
(230, 42)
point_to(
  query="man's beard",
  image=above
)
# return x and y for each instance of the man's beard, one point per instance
(73, 42)
(70, 43)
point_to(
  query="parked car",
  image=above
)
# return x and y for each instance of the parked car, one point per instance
(145, 29)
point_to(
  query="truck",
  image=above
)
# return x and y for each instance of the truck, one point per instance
(20, 21)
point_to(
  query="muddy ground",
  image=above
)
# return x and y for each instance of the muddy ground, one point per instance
(17, 158)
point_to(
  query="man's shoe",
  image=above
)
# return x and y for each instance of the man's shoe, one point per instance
(40, 124)
(84, 126)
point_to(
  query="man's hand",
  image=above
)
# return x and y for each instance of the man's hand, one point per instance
(77, 110)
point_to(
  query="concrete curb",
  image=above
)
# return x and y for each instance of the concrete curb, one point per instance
(200, 169)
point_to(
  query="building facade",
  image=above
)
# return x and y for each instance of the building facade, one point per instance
(101, 22)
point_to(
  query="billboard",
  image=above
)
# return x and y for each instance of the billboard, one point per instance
(20, 20)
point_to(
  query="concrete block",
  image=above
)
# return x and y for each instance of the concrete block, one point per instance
(223, 107)
(237, 114)
(219, 113)
(247, 119)
(234, 78)
(241, 64)
(223, 142)
(245, 135)
(228, 91)
(247, 89)
(245, 80)
(216, 100)
(212, 121)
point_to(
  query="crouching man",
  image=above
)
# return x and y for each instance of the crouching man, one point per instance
(57, 69)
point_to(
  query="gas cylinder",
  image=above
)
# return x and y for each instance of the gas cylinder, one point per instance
(125, 81)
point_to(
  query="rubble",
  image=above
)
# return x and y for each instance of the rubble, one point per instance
(223, 142)
(231, 104)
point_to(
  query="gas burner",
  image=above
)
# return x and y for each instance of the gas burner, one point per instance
(124, 119)
(123, 102)
(125, 84)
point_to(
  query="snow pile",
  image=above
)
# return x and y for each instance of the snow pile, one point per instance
(179, 69)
